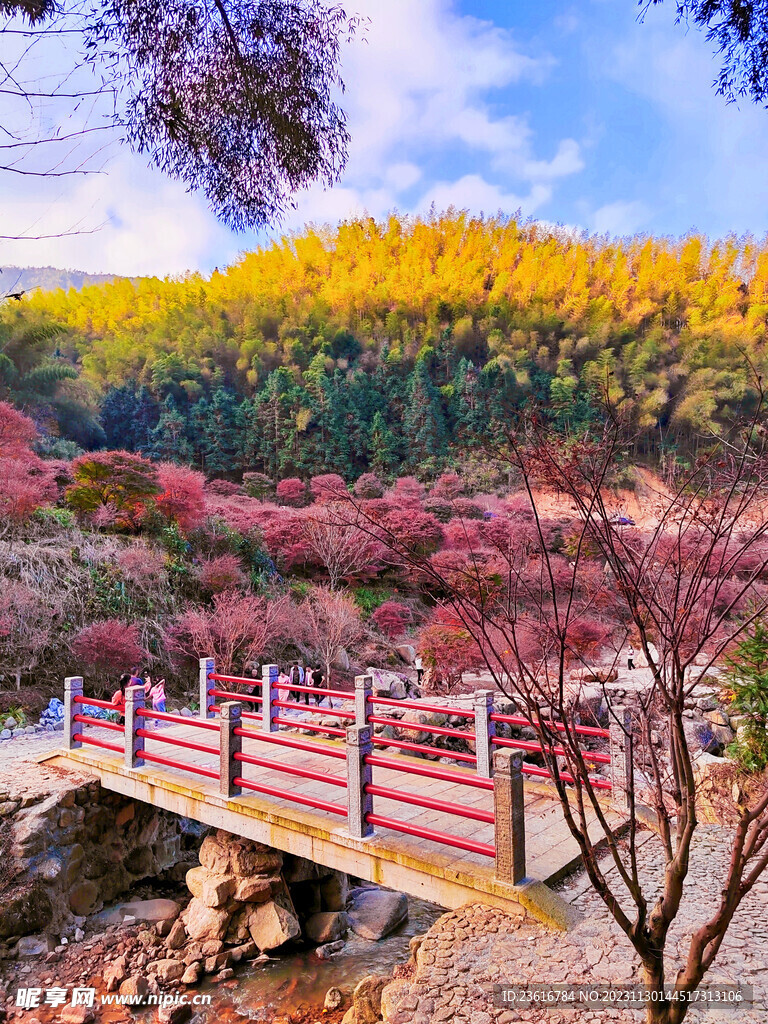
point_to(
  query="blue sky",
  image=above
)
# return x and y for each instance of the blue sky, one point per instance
(576, 113)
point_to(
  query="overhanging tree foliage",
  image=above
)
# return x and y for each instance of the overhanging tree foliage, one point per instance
(739, 30)
(236, 98)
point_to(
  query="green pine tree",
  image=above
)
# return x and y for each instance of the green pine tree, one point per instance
(425, 427)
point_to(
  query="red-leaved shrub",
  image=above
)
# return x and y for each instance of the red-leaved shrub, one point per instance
(17, 432)
(238, 628)
(328, 487)
(393, 618)
(448, 486)
(223, 572)
(368, 486)
(415, 531)
(108, 647)
(141, 565)
(292, 491)
(181, 498)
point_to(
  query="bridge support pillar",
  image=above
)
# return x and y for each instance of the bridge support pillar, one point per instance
(73, 687)
(134, 745)
(207, 666)
(485, 730)
(509, 810)
(621, 756)
(269, 694)
(363, 694)
(229, 745)
(359, 776)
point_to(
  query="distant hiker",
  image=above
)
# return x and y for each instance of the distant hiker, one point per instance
(296, 678)
(318, 681)
(419, 669)
(630, 657)
(135, 678)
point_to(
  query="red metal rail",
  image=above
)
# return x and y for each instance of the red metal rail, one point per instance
(164, 716)
(330, 730)
(475, 813)
(287, 741)
(413, 767)
(290, 769)
(87, 720)
(152, 734)
(93, 742)
(303, 688)
(96, 703)
(436, 837)
(251, 716)
(219, 677)
(186, 766)
(532, 747)
(582, 730)
(322, 805)
(415, 705)
(334, 713)
(439, 730)
(234, 696)
(420, 748)
(544, 773)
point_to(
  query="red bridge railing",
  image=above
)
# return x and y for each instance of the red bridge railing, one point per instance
(489, 762)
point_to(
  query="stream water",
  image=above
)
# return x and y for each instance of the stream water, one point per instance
(299, 980)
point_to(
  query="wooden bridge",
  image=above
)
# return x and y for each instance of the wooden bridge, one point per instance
(445, 833)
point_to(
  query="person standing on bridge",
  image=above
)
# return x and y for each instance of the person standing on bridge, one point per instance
(156, 692)
(118, 697)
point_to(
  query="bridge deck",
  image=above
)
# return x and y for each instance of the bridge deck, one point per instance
(434, 871)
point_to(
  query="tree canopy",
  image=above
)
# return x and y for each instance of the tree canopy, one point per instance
(410, 344)
(236, 99)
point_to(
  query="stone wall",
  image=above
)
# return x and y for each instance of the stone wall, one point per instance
(67, 847)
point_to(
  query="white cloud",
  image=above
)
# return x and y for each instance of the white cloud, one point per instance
(619, 218)
(419, 86)
(474, 193)
(421, 94)
(144, 224)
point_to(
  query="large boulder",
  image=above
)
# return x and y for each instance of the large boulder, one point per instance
(334, 891)
(167, 970)
(251, 858)
(214, 855)
(142, 912)
(203, 922)
(366, 999)
(374, 913)
(327, 926)
(407, 652)
(388, 684)
(271, 925)
(254, 890)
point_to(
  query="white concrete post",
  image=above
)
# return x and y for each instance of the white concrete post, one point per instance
(509, 810)
(359, 775)
(229, 745)
(207, 665)
(363, 694)
(269, 694)
(73, 687)
(621, 755)
(485, 730)
(134, 745)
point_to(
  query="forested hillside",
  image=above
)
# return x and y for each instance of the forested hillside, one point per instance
(406, 343)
